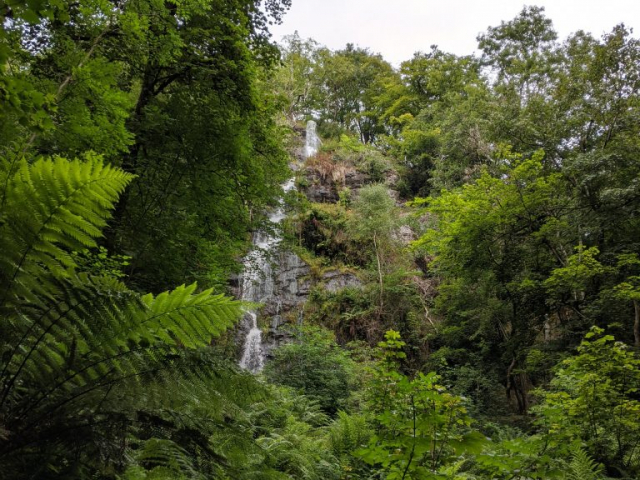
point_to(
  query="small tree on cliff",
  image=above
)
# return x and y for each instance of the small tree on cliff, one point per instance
(374, 218)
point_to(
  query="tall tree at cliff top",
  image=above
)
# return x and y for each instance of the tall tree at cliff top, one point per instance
(339, 88)
(169, 91)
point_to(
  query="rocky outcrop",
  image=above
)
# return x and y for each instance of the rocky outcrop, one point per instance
(405, 234)
(292, 285)
(318, 189)
(335, 280)
(286, 282)
(321, 188)
(290, 292)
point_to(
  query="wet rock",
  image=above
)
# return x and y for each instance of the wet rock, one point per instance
(287, 293)
(290, 292)
(355, 180)
(321, 193)
(323, 189)
(235, 285)
(391, 179)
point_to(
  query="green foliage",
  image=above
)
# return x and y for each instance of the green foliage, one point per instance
(340, 88)
(315, 366)
(582, 467)
(374, 214)
(346, 434)
(521, 50)
(74, 345)
(174, 93)
(581, 268)
(529, 238)
(50, 208)
(376, 166)
(513, 454)
(419, 427)
(593, 399)
(481, 389)
(291, 431)
(324, 231)
(293, 81)
(346, 312)
(530, 231)
(346, 84)
(100, 263)
(492, 243)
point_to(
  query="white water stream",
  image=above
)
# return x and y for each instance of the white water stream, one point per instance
(258, 277)
(312, 143)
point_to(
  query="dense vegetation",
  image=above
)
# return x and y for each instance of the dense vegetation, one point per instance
(486, 209)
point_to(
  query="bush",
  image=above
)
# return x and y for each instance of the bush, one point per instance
(316, 366)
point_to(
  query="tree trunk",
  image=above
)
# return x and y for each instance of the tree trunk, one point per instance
(636, 324)
(375, 246)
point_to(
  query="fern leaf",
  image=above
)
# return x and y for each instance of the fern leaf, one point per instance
(583, 467)
(52, 207)
(191, 320)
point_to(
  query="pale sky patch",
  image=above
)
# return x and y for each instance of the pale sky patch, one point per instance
(397, 29)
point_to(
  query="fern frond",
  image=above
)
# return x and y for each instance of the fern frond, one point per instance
(81, 356)
(583, 467)
(190, 319)
(167, 457)
(52, 207)
(347, 433)
(90, 318)
(193, 382)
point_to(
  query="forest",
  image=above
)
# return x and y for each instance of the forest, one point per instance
(454, 292)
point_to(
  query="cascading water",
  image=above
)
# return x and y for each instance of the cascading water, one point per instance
(258, 282)
(312, 143)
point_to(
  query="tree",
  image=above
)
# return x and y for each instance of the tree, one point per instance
(169, 92)
(593, 398)
(374, 218)
(346, 85)
(492, 243)
(293, 80)
(521, 51)
(440, 139)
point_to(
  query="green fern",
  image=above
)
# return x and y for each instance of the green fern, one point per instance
(583, 467)
(82, 354)
(208, 314)
(52, 207)
(165, 459)
(347, 433)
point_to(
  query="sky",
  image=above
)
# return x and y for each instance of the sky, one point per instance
(398, 28)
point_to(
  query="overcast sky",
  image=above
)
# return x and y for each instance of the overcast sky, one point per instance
(398, 28)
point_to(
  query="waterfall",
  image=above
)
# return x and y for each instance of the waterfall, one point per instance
(258, 283)
(313, 141)
(258, 279)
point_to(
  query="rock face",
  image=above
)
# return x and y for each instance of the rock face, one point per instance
(319, 189)
(323, 189)
(290, 291)
(335, 280)
(292, 284)
(289, 295)
(405, 234)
